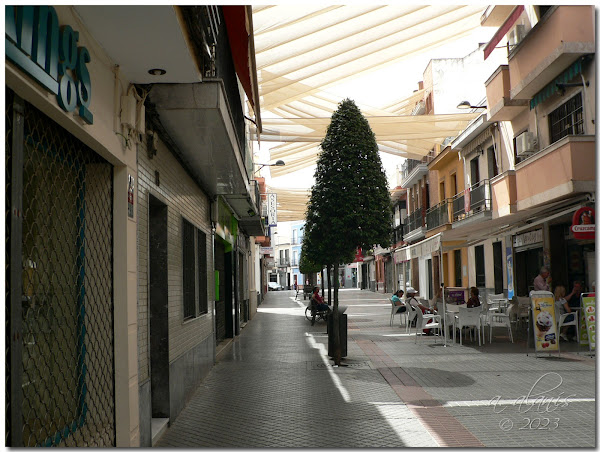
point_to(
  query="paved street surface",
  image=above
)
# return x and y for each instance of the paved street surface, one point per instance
(274, 386)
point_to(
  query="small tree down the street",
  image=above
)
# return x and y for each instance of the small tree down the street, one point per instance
(350, 204)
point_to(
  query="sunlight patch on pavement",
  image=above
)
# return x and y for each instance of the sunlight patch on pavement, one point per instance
(286, 311)
(406, 426)
(515, 402)
(336, 380)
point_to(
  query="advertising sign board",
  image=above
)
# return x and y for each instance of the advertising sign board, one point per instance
(588, 303)
(545, 336)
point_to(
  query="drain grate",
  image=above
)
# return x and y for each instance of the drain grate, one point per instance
(319, 365)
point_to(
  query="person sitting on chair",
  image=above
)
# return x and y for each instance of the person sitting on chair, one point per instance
(317, 304)
(474, 299)
(563, 308)
(396, 299)
(410, 293)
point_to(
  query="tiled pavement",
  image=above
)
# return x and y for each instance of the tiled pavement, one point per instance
(274, 386)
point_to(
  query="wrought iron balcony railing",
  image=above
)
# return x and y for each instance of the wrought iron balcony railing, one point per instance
(438, 215)
(415, 220)
(474, 199)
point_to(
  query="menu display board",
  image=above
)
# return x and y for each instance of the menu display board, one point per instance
(544, 321)
(588, 303)
(455, 295)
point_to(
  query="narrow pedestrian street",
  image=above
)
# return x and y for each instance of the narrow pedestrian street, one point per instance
(276, 380)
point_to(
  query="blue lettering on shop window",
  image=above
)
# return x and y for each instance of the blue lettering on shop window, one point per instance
(49, 53)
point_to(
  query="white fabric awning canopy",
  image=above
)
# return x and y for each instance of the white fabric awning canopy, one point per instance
(303, 49)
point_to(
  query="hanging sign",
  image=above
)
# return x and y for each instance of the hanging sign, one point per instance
(584, 224)
(266, 250)
(588, 303)
(272, 208)
(49, 53)
(545, 335)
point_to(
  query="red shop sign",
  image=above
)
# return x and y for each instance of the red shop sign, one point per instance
(584, 224)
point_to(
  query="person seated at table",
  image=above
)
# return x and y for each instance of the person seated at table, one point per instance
(317, 304)
(396, 299)
(410, 294)
(563, 308)
(474, 299)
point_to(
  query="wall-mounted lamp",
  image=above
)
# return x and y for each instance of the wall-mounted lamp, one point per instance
(277, 163)
(466, 105)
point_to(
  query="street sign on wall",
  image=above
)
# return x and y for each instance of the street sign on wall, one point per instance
(272, 208)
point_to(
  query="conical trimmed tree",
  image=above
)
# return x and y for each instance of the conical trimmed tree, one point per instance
(350, 204)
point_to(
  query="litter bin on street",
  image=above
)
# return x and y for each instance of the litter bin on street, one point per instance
(343, 325)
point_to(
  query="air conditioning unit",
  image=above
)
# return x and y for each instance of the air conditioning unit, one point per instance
(526, 144)
(516, 35)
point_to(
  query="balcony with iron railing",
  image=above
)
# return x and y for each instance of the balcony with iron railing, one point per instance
(439, 215)
(297, 240)
(283, 262)
(474, 202)
(415, 220)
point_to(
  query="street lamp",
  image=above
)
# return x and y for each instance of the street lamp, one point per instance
(277, 163)
(466, 105)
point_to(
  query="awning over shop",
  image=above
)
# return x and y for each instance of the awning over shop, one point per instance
(569, 74)
(422, 248)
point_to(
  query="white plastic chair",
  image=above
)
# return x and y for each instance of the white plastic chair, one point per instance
(422, 325)
(395, 312)
(523, 310)
(499, 319)
(469, 317)
(411, 314)
(561, 321)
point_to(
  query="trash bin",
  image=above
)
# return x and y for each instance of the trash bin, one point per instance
(343, 325)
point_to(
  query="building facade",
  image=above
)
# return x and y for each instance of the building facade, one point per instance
(71, 238)
(128, 255)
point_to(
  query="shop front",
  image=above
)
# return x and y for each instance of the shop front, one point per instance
(70, 240)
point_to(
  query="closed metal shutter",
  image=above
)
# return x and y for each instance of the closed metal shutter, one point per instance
(61, 304)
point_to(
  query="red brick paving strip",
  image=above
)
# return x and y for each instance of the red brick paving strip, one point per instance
(444, 427)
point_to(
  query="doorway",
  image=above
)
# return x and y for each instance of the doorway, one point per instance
(498, 275)
(159, 309)
(527, 267)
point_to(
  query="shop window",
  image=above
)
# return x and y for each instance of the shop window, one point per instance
(479, 267)
(566, 119)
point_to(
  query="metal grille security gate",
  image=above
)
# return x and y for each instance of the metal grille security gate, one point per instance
(59, 296)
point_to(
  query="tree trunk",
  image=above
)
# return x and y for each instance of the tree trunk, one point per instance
(337, 346)
(329, 284)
